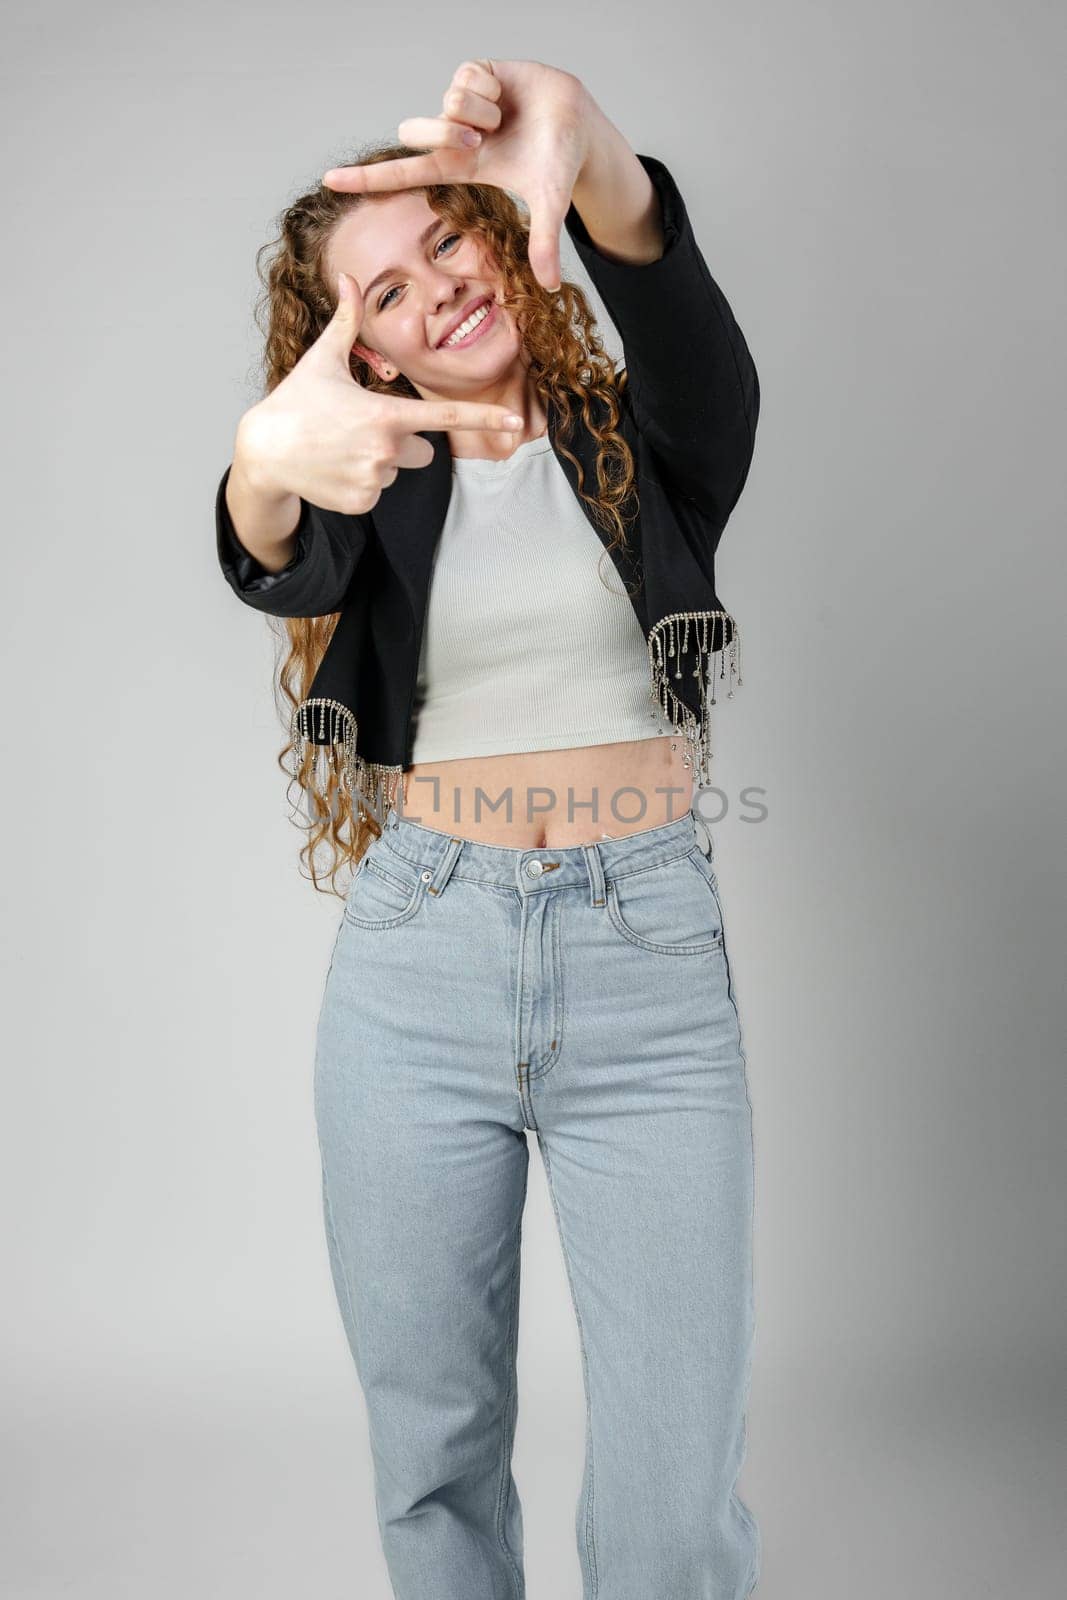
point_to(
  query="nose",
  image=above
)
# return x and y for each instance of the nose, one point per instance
(449, 289)
(448, 295)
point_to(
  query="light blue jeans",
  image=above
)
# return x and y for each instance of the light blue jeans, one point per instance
(476, 992)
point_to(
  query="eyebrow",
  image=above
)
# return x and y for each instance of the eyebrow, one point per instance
(389, 272)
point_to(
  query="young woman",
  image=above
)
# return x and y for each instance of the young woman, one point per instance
(494, 558)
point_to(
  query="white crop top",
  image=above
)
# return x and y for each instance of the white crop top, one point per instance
(530, 640)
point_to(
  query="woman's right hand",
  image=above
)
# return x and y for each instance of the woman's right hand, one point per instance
(320, 435)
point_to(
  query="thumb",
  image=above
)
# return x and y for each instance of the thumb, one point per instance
(543, 244)
(340, 332)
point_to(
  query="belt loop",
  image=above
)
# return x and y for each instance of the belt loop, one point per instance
(444, 867)
(595, 868)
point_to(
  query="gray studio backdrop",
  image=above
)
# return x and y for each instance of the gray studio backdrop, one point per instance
(878, 188)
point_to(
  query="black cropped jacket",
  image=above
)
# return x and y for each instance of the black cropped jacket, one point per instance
(689, 414)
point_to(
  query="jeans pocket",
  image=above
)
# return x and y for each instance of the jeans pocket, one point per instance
(671, 908)
(385, 891)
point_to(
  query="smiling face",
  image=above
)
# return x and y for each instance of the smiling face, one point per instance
(418, 277)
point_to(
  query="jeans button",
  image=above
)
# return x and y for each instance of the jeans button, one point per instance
(534, 868)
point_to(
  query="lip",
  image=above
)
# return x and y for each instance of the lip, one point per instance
(468, 309)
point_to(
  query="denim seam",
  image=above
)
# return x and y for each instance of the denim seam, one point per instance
(415, 901)
(755, 1571)
(651, 866)
(326, 981)
(552, 1055)
(590, 1542)
(403, 884)
(480, 883)
(708, 946)
(504, 1488)
(384, 924)
(704, 869)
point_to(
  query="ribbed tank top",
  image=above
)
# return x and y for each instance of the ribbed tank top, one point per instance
(530, 641)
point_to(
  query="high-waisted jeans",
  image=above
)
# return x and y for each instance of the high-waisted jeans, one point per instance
(475, 992)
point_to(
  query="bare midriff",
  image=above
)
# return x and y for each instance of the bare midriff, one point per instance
(552, 797)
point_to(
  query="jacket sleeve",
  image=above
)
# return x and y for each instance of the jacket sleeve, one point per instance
(692, 384)
(314, 582)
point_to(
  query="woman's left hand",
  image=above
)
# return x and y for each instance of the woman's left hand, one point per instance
(535, 124)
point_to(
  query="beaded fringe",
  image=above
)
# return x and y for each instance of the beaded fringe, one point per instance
(670, 639)
(371, 785)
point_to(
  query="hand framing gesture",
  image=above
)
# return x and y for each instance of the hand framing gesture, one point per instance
(533, 122)
(321, 435)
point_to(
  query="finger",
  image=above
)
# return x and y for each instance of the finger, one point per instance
(546, 221)
(439, 133)
(464, 105)
(378, 177)
(439, 415)
(349, 300)
(479, 76)
(339, 334)
(414, 452)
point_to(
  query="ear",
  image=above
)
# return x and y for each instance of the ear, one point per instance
(383, 368)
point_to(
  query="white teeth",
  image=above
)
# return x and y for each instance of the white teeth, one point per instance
(465, 327)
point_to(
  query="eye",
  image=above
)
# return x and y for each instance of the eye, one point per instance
(384, 301)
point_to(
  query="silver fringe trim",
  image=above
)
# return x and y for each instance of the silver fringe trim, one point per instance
(371, 785)
(669, 641)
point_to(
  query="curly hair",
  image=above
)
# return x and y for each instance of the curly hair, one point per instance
(567, 364)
